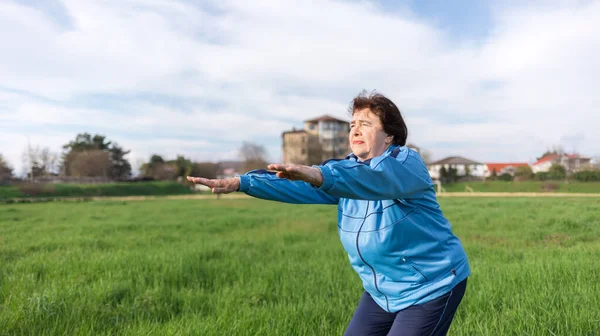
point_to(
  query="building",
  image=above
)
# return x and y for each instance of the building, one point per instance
(502, 168)
(463, 166)
(322, 138)
(571, 162)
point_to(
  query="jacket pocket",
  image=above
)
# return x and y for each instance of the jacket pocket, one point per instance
(418, 271)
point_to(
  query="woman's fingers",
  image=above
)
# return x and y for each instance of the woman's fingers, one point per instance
(277, 166)
(286, 168)
(218, 186)
(204, 181)
(284, 175)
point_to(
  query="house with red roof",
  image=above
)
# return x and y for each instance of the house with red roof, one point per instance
(571, 162)
(503, 168)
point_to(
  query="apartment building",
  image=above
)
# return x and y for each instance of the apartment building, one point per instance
(322, 138)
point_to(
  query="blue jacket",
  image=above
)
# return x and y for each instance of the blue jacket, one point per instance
(389, 222)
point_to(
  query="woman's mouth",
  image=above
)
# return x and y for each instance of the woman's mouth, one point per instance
(357, 142)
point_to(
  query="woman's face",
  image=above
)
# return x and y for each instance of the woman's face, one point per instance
(367, 138)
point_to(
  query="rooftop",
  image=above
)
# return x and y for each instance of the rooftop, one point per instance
(295, 131)
(556, 156)
(499, 166)
(454, 160)
(325, 118)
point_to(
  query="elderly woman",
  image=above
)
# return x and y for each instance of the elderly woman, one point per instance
(413, 268)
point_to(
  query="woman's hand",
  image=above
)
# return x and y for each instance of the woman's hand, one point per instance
(218, 186)
(308, 174)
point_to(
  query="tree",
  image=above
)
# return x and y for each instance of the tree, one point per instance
(184, 166)
(426, 156)
(164, 171)
(31, 164)
(121, 168)
(160, 169)
(452, 174)
(494, 174)
(91, 163)
(205, 169)
(147, 169)
(524, 172)
(48, 160)
(156, 159)
(84, 142)
(253, 156)
(449, 175)
(443, 174)
(557, 172)
(38, 161)
(557, 149)
(6, 171)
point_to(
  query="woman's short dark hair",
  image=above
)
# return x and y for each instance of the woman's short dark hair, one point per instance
(386, 110)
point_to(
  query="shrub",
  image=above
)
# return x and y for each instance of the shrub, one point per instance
(542, 176)
(524, 173)
(550, 187)
(587, 175)
(35, 189)
(557, 172)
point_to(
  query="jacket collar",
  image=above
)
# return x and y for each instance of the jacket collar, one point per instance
(390, 149)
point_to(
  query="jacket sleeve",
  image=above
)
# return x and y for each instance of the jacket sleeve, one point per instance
(403, 175)
(266, 185)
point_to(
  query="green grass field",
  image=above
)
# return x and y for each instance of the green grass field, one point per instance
(250, 267)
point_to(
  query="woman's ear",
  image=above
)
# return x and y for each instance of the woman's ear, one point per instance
(388, 139)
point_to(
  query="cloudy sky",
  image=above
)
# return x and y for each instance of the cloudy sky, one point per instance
(492, 81)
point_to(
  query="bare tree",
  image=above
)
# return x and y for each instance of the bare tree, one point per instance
(93, 163)
(556, 149)
(39, 161)
(31, 163)
(6, 170)
(426, 156)
(253, 155)
(48, 160)
(165, 171)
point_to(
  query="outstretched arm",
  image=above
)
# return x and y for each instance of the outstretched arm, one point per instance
(267, 185)
(402, 175)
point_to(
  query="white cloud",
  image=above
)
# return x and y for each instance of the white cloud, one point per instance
(248, 70)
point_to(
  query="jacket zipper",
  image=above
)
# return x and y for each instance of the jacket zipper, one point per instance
(366, 263)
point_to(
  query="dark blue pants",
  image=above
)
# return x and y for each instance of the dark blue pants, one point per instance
(432, 318)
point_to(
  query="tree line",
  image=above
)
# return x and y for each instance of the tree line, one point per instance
(95, 156)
